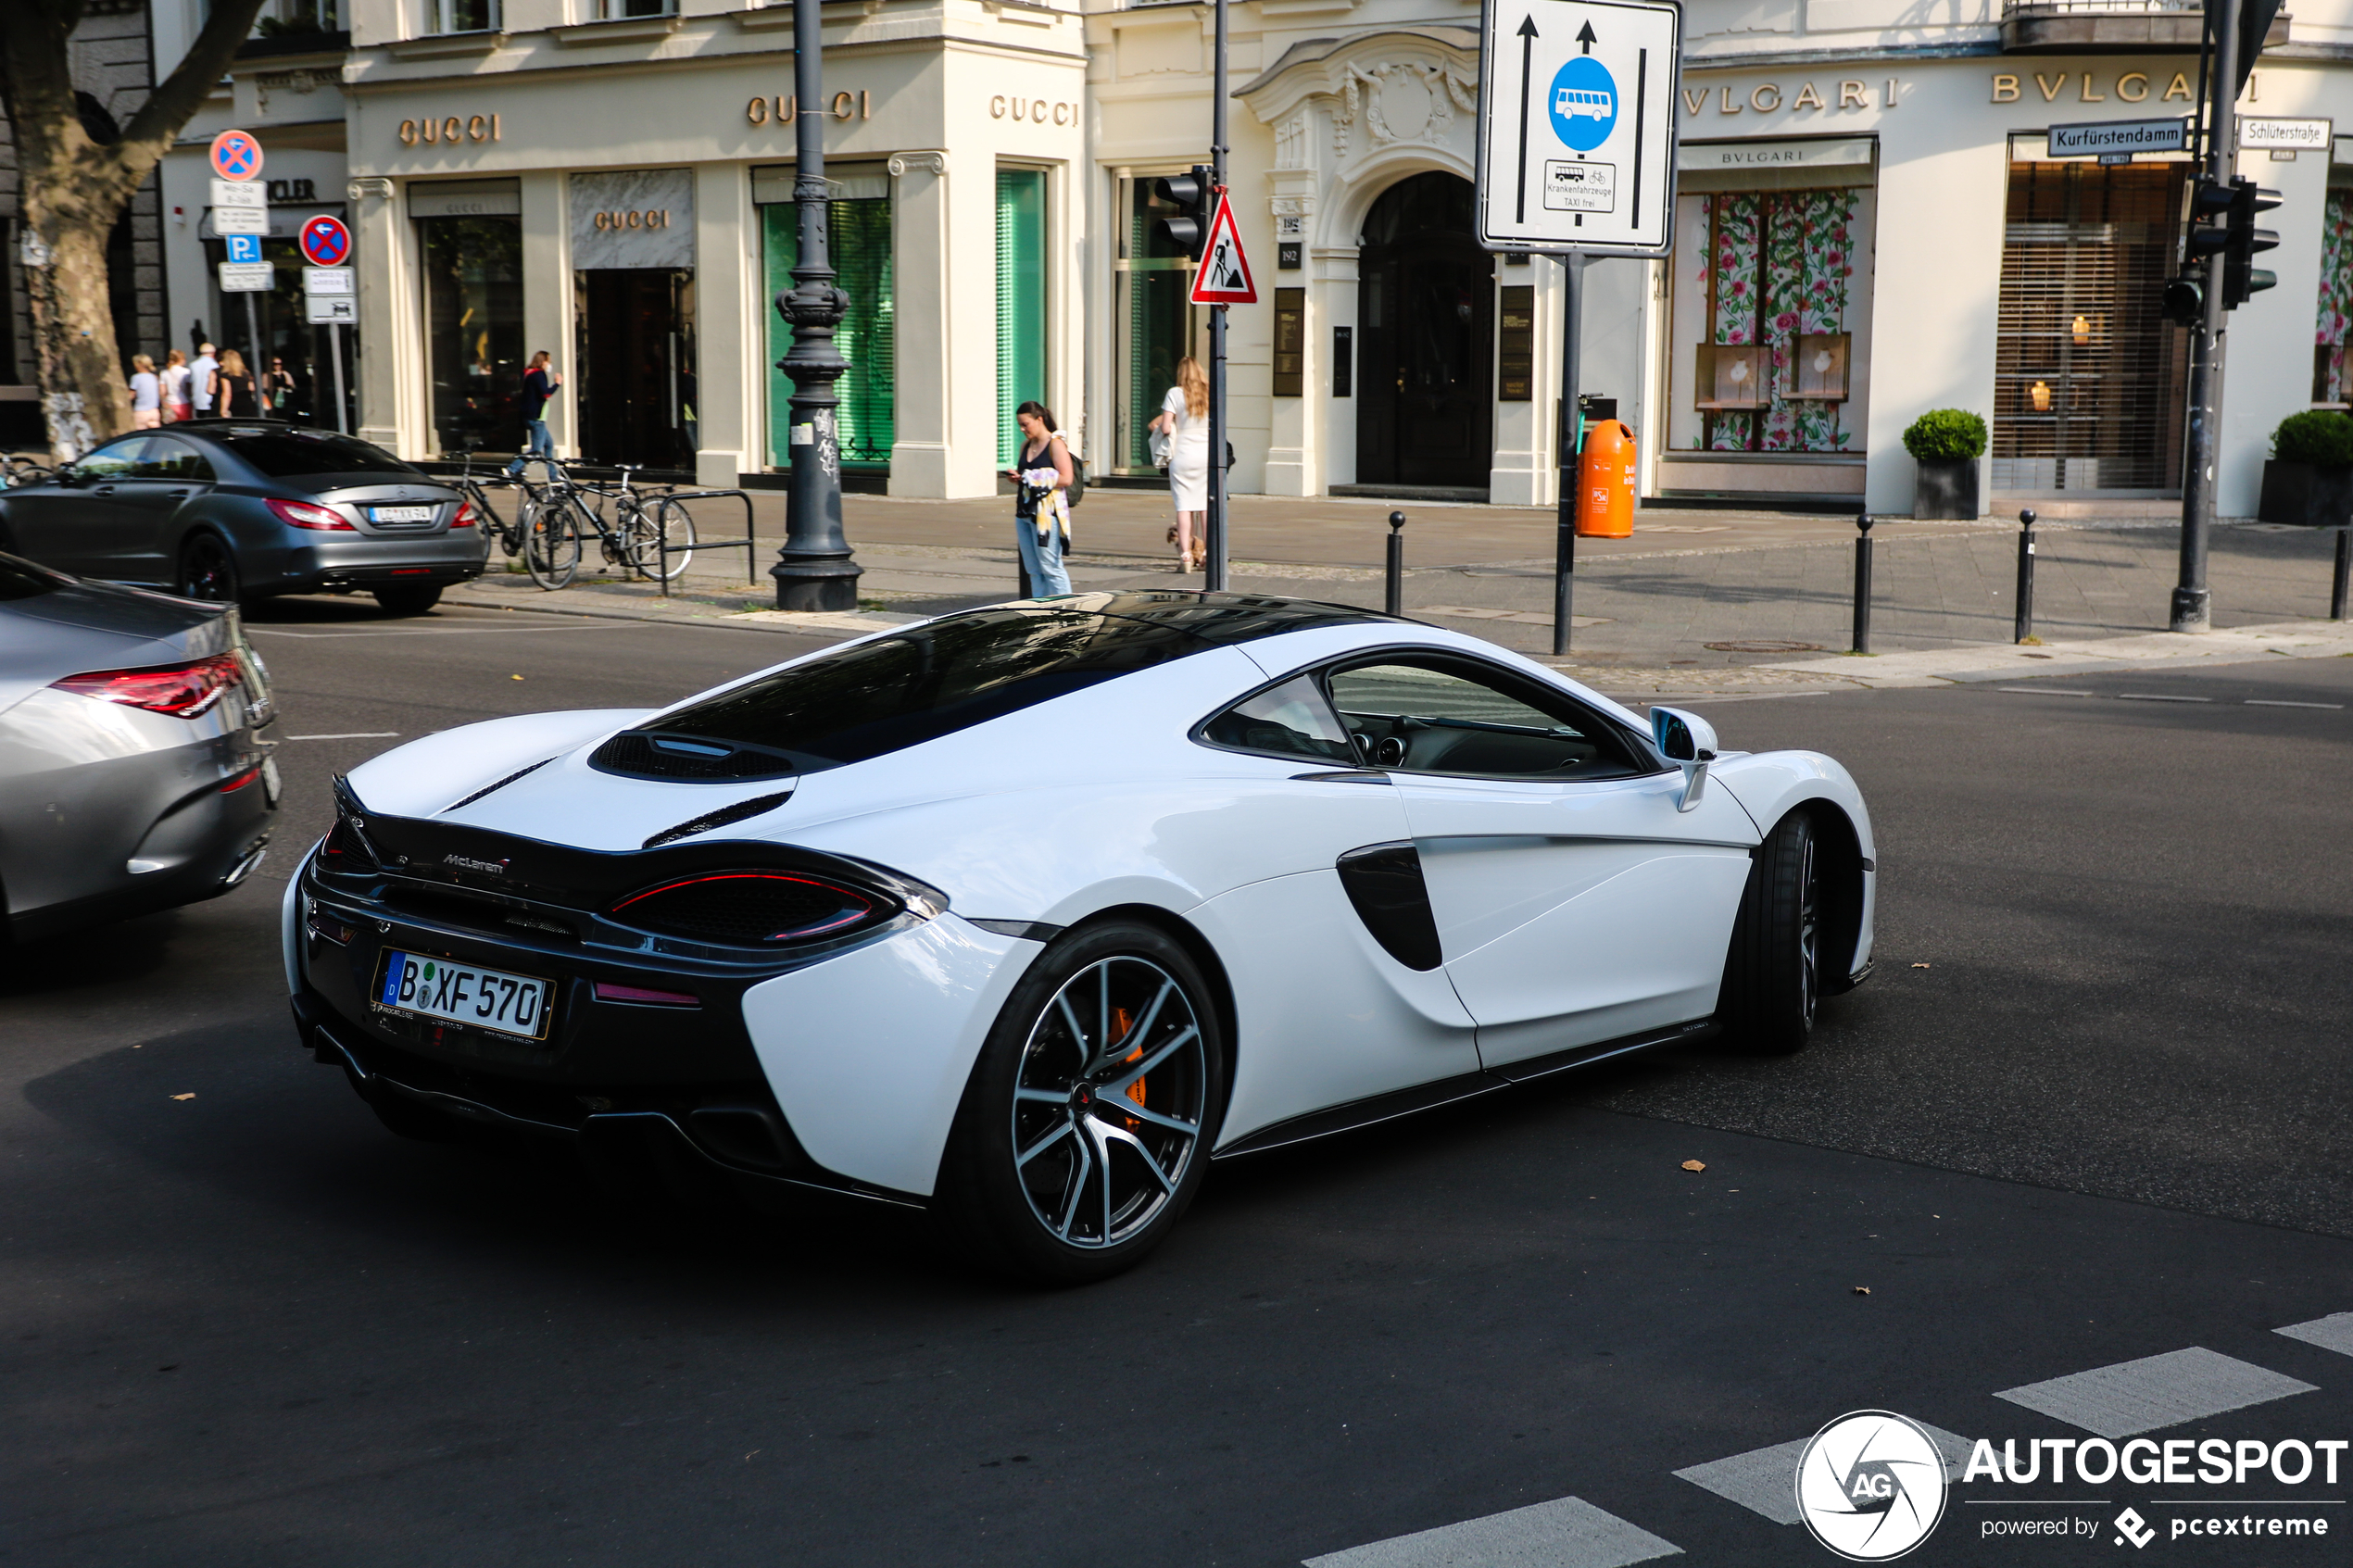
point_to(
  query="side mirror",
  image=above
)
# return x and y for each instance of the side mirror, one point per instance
(1688, 741)
(67, 474)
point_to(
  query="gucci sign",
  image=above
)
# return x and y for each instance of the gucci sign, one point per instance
(785, 107)
(469, 127)
(652, 218)
(1036, 109)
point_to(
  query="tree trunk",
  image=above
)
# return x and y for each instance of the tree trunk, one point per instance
(73, 189)
(84, 396)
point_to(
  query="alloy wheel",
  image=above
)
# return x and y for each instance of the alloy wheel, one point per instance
(1108, 1101)
(206, 573)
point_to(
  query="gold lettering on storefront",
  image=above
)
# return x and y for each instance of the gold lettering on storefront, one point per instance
(2133, 87)
(650, 218)
(1768, 97)
(785, 107)
(451, 129)
(1036, 111)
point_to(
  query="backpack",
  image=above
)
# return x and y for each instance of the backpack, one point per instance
(1075, 491)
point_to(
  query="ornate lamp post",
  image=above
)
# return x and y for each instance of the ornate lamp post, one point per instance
(814, 570)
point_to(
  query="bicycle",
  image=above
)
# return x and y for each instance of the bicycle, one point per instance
(633, 537)
(23, 470)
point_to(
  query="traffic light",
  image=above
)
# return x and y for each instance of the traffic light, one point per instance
(2241, 277)
(2184, 303)
(1190, 193)
(2209, 205)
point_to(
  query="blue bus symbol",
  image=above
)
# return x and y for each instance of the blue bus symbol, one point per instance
(1583, 104)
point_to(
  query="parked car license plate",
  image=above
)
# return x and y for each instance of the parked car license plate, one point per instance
(399, 514)
(431, 986)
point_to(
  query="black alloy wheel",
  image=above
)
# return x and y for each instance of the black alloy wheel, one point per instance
(1773, 975)
(207, 570)
(1086, 1124)
(408, 598)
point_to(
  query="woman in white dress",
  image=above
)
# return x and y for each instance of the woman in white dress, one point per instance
(1184, 418)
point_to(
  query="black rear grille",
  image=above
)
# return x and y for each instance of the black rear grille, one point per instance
(639, 754)
(485, 915)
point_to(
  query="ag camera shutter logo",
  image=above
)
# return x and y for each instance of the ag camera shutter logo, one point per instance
(1870, 1485)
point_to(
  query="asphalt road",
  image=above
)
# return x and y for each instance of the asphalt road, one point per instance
(2108, 1120)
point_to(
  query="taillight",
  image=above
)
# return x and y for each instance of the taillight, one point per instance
(345, 850)
(184, 691)
(465, 517)
(754, 907)
(237, 782)
(308, 514)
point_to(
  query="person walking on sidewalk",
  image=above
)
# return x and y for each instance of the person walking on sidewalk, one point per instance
(1184, 418)
(278, 389)
(174, 377)
(200, 381)
(1042, 510)
(146, 394)
(233, 393)
(539, 384)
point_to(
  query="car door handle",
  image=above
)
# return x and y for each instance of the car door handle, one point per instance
(177, 496)
(103, 490)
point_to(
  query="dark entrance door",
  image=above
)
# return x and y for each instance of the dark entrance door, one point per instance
(637, 399)
(1425, 307)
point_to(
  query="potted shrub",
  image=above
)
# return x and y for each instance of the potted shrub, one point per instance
(1946, 442)
(2309, 477)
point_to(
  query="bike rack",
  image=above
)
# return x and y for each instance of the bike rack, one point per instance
(666, 549)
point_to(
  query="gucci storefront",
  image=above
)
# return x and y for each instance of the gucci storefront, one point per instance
(600, 192)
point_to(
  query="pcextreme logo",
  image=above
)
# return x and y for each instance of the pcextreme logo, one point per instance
(1870, 1485)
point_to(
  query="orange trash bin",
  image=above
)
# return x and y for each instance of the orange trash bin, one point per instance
(1606, 482)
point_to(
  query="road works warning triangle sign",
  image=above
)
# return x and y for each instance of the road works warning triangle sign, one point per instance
(1224, 276)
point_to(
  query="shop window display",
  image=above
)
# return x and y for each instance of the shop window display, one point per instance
(1771, 373)
(1021, 300)
(2331, 382)
(859, 244)
(473, 331)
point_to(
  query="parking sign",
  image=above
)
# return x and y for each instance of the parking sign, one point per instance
(1577, 126)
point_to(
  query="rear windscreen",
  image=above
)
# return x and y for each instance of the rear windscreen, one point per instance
(929, 681)
(280, 453)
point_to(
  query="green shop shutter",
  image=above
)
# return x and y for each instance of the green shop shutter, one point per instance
(861, 232)
(1021, 300)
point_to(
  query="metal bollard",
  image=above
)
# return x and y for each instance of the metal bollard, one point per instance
(1863, 582)
(1396, 603)
(2024, 629)
(2337, 584)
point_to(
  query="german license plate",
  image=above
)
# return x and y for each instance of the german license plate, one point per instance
(428, 986)
(399, 514)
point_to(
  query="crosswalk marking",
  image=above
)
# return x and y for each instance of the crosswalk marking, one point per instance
(2332, 1332)
(1765, 1480)
(1565, 1533)
(2135, 1396)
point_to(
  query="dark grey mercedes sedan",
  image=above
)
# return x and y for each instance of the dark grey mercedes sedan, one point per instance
(239, 510)
(134, 774)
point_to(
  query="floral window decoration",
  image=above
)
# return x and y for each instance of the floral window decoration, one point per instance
(1775, 267)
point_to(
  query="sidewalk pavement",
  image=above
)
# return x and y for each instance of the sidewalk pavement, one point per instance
(1696, 601)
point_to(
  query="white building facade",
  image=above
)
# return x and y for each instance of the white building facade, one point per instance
(1869, 226)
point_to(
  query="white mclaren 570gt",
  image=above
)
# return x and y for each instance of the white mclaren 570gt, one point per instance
(1025, 914)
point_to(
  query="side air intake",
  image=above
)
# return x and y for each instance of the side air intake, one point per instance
(649, 754)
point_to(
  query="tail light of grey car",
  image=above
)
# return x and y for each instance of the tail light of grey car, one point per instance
(309, 514)
(187, 690)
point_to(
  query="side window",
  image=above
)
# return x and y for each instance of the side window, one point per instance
(166, 458)
(1444, 716)
(116, 459)
(1291, 720)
